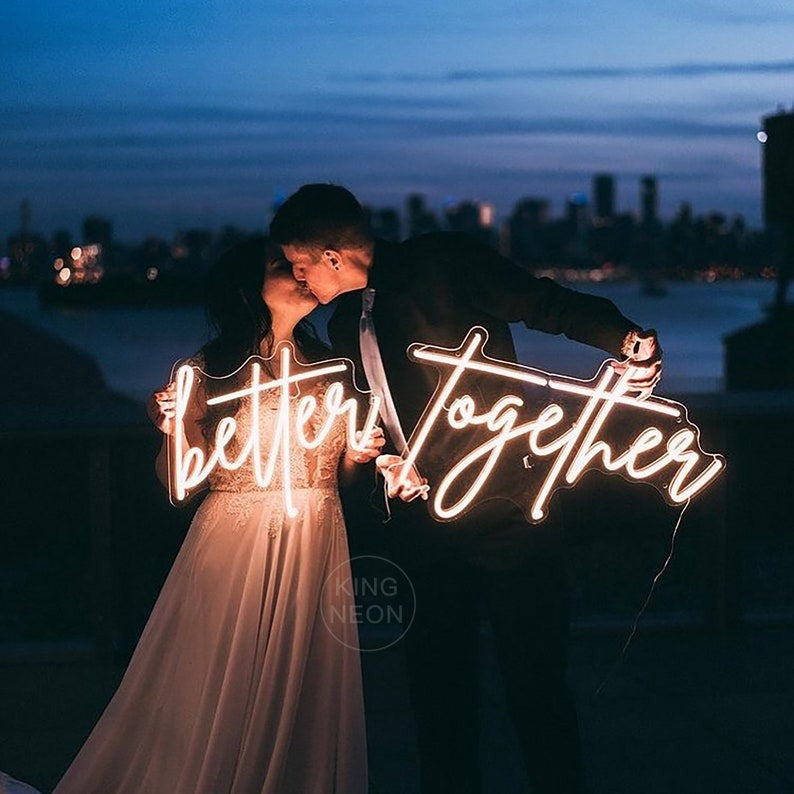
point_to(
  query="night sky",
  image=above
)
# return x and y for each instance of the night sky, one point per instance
(163, 114)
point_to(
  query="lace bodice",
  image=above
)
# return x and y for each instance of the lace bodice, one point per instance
(308, 468)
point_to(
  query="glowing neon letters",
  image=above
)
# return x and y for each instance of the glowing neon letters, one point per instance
(649, 440)
(193, 465)
(493, 429)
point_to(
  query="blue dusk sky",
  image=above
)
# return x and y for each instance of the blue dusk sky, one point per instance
(164, 114)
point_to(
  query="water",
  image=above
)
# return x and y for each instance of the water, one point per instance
(691, 320)
(135, 348)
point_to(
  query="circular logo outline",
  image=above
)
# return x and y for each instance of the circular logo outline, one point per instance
(350, 566)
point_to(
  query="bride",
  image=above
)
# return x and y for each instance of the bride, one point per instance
(236, 685)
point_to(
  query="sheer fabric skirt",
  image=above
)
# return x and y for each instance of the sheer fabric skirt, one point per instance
(237, 683)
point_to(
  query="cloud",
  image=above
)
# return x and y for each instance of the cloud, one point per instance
(717, 12)
(127, 159)
(691, 70)
(380, 100)
(188, 133)
(584, 125)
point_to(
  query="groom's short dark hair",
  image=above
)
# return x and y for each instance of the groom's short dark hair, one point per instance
(328, 216)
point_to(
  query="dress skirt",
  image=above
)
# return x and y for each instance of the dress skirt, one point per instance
(238, 685)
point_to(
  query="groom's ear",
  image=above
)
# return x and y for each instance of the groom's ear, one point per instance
(332, 258)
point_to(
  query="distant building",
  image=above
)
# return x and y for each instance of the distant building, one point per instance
(778, 165)
(229, 236)
(603, 198)
(576, 211)
(384, 223)
(61, 243)
(762, 355)
(98, 230)
(27, 257)
(527, 239)
(197, 245)
(462, 217)
(576, 219)
(420, 219)
(474, 218)
(28, 253)
(649, 201)
(650, 247)
(531, 212)
(681, 247)
(777, 137)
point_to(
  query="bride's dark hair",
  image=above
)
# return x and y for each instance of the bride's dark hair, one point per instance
(241, 320)
(237, 313)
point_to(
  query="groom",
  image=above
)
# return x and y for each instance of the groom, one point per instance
(433, 289)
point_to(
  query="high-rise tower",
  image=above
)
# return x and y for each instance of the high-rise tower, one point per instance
(777, 137)
(604, 197)
(649, 201)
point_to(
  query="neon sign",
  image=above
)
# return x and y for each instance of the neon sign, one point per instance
(509, 449)
(493, 429)
(193, 465)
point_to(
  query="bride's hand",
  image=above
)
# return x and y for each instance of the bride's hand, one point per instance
(412, 486)
(161, 407)
(372, 449)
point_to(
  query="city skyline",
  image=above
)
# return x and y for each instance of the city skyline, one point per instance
(592, 240)
(588, 203)
(166, 117)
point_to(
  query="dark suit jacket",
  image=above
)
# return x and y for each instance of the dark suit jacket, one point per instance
(433, 289)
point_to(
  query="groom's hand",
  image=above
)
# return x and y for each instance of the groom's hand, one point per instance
(412, 485)
(644, 360)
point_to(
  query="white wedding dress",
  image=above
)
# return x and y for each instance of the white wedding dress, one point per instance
(237, 685)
